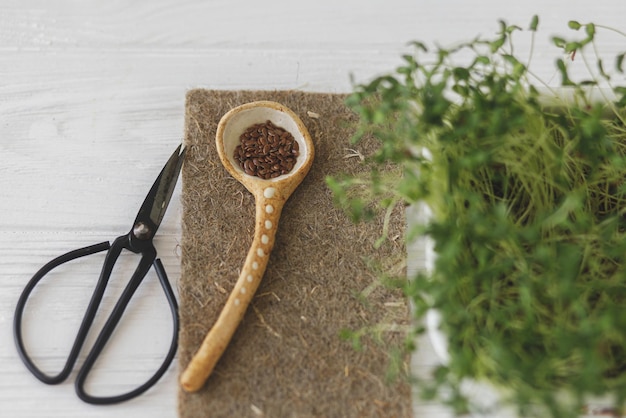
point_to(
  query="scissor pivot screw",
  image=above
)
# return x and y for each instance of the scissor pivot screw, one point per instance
(142, 231)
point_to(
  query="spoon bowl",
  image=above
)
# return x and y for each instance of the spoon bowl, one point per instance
(235, 123)
(270, 196)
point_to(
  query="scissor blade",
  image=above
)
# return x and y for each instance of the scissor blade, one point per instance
(156, 202)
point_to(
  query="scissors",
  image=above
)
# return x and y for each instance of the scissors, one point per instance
(138, 241)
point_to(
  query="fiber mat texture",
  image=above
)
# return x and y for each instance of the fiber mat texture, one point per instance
(287, 358)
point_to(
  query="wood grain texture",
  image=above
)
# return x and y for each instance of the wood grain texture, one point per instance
(92, 103)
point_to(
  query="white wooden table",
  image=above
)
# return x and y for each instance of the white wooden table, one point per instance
(92, 104)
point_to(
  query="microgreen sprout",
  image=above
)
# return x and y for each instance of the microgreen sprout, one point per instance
(528, 201)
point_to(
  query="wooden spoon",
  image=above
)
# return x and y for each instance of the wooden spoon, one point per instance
(270, 196)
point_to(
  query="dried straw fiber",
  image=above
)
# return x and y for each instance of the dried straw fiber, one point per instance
(287, 358)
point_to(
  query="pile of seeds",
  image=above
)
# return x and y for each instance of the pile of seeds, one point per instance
(266, 151)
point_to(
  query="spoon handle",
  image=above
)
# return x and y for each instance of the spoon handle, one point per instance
(269, 205)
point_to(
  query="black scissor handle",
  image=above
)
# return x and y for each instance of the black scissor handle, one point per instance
(84, 327)
(147, 260)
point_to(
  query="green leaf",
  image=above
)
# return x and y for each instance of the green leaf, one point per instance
(590, 28)
(601, 70)
(572, 46)
(559, 42)
(561, 215)
(512, 28)
(461, 74)
(534, 23)
(497, 44)
(518, 67)
(481, 59)
(502, 24)
(461, 90)
(574, 25)
(565, 80)
(419, 45)
(409, 59)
